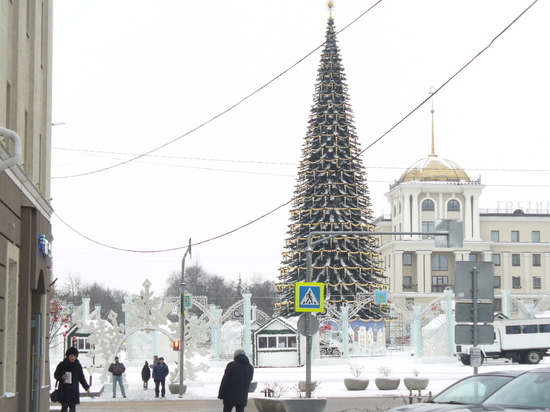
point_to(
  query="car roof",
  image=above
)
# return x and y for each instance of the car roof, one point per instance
(511, 372)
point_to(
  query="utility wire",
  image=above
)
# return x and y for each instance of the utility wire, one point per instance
(219, 114)
(206, 159)
(293, 198)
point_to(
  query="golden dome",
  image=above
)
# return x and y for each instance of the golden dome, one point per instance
(434, 169)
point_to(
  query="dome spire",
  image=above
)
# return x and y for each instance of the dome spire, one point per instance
(330, 6)
(431, 91)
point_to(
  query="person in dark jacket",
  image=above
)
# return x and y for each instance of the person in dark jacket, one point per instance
(117, 368)
(145, 374)
(235, 382)
(160, 372)
(69, 373)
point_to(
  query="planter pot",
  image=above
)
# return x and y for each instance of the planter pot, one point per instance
(269, 405)
(416, 384)
(305, 404)
(387, 384)
(174, 388)
(356, 384)
(253, 386)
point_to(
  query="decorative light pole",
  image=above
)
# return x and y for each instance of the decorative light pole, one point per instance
(182, 317)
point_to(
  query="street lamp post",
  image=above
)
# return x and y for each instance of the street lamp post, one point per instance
(182, 318)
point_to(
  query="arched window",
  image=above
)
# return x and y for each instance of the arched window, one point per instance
(439, 262)
(453, 206)
(428, 205)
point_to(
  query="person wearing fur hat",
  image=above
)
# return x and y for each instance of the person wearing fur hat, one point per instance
(69, 374)
(236, 382)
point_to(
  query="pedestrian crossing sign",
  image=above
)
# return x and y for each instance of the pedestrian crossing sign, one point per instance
(309, 297)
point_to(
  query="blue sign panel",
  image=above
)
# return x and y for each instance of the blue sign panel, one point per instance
(309, 297)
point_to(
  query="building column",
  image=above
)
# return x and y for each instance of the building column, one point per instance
(475, 218)
(424, 270)
(396, 275)
(528, 287)
(468, 216)
(546, 276)
(506, 281)
(487, 255)
(406, 212)
(416, 226)
(462, 255)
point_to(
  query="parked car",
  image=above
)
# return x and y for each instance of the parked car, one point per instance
(472, 390)
(530, 390)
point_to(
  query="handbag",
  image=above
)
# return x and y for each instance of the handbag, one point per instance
(54, 396)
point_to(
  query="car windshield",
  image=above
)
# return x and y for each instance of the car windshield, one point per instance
(472, 390)
(528, 391)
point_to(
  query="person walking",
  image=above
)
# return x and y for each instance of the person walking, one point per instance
(236, 382)
(69, 374)
(160, 372)
(117, 369)
(145, 374)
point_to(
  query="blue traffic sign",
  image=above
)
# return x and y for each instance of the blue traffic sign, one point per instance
(309, 297)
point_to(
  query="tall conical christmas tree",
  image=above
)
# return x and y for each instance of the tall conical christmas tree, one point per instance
(331, 195)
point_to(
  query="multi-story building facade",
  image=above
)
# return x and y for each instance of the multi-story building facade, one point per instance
(25, 211)
(516, 241)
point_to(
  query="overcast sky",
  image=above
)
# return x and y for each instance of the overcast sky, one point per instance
(131, 76)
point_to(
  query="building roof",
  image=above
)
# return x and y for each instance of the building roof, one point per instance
(434, 169)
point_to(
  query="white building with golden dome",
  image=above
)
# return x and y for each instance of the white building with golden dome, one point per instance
(516, 241)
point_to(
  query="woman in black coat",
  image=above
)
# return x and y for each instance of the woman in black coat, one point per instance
(236, 382)
(145, 374)
(69, 373)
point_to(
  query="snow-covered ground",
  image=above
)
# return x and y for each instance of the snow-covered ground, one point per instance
(441, 371)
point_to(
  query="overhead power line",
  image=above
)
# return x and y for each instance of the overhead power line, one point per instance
(242, 100)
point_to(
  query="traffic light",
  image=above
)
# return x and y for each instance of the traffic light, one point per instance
(176, 345)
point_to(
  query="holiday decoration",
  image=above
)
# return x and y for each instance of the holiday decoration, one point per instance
(331, 195)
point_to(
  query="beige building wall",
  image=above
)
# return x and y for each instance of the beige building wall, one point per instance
(25, 210)
(418, 271)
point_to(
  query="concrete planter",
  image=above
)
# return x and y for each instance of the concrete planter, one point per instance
(253, 386)
(387, 384)
(174, 388)
(305, 404)
(416, 384)
(356, 384)
(269, 405)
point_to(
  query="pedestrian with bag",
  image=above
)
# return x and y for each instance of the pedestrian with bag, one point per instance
(69, 374)
(145, 375)
(236, 382)
(160, 372)
(117, 369)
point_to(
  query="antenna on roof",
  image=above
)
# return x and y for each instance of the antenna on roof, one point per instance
(431, 91)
